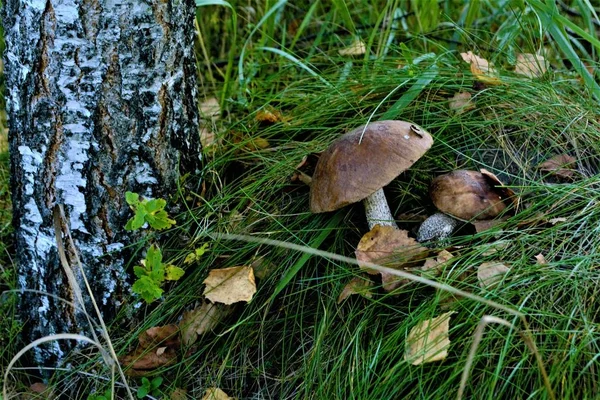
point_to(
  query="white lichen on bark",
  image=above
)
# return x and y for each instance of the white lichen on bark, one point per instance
(104, 102)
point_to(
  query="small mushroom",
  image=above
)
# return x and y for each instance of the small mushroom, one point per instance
(360, 163)
(464, 195)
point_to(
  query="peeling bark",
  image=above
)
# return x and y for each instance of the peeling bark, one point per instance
(101, 100)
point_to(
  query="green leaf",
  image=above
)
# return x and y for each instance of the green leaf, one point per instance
(138, 220)
(160, 220)
(133, 199)
(147, 288)
(139, 271)
(154, 205)
(153, 257)
(142, 392)
(156, 382)
(174, 273)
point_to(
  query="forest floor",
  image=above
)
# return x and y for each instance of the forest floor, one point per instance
(280, 82)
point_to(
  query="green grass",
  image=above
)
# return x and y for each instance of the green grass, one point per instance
(293, 340)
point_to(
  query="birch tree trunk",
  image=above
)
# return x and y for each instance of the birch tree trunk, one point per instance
(101, 100)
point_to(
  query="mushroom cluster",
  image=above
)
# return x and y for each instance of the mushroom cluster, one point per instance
(360, 163)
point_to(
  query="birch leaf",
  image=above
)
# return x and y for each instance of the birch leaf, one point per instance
(201, 320)
(428, 341)
(230, 285)
(531, 65)
(490, 273)
(357, 285)
(215, 394)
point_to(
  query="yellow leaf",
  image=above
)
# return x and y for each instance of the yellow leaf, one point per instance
(481, 69)
(428, 341)
(357, 48)
(215, 394)
(230, 285)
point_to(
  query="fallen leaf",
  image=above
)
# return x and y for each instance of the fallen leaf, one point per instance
(561, 166)
(491, 273)
(530, 65)
(38, 387)
(357, 48)
(167, 335)
(392, 248)
(481, 63)
(201, 320)
(357, 285)
(555, 221)
(207, 137)
(215, 394)
(428, 341)
(389, 247)
(434, 264)
(210, 109)
(230, 285)
(461, 102)
(178, 394)
(268, 116)
(481, 69)
(540, 259)
(142, 361)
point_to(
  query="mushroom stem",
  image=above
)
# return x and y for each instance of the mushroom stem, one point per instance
(378, 211)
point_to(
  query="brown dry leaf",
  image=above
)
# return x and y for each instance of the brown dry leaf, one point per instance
(201, 320)
(428, 341)
(178, 394)
(390, 247)
(216, 394)
(210, 109)
(167, 335)
(142, 361)
(540, 259)
(357, 285)
(461, 102)
(38, 387)
(561, 166)
(531, 65)
(230, 285)
(357, 48)
(268, 116)
(491, 273)
(433, 265)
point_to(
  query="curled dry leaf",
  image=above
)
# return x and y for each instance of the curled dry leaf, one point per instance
(215, 394)
(357, 285)
(167, 335)
(357, 48)
(481, 69)
(540, 259)
(561, 166)
(268, 116)
(230, 285)
(432, 265)
(428, 341)
(491, 273)
(461, 102)
(531, 65)
(201, 320)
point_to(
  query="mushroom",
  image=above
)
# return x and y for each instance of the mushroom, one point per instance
(360, 163)
(464, 195)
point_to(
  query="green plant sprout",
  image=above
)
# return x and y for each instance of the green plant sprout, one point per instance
(196, 254)
(149, 387)
(107, 395)
(152, 274)
(151, 211)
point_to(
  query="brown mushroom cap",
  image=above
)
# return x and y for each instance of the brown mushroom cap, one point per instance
(348, 172)
(467, 195)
